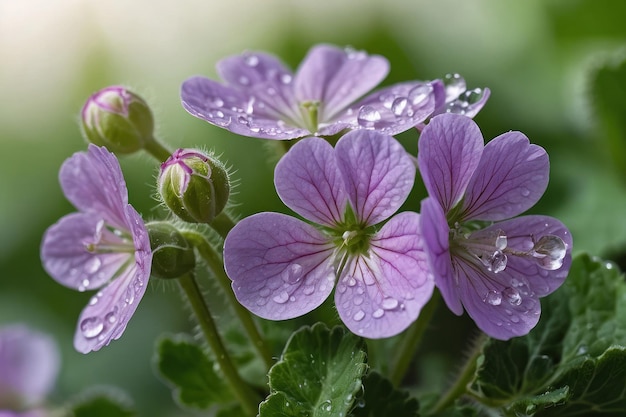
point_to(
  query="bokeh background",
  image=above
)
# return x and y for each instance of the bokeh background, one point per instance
(539, 58)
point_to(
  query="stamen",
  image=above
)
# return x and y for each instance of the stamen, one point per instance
(310, 110)
(489, 248)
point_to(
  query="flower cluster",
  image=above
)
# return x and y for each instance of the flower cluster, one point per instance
(382, 266)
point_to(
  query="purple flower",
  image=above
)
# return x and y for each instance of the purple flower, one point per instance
(262, 98)
(29, 364)
(496, 271)
(283, 267)
(105, 245)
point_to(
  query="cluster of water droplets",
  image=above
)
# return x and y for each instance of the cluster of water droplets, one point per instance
(397, 106)
(459, 99)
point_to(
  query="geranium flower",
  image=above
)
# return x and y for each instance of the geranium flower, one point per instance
(496, 271)
(262, 98)
(283, 267)
(105, 245)
(29, 364)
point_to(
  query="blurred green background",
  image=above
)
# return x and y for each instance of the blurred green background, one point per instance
(539, 57)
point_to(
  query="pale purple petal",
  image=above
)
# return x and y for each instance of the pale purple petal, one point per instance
(449, 150)
(381, 295)
(391, 110)
(93, 182)
(29, 365)
(280, 266)
(65, 256)
(511, 177)
(242, 112)
(435, 232)
(309, 182)
(377, 172)
(525, 271)
(336, 77)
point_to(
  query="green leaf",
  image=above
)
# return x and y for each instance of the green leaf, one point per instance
(103, 404)
(380, 398)
(191, 374)
(574, 361)
(608, 92)
(319, 374)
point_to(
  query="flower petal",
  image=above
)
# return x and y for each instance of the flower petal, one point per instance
(510, 179)
(65, 257)
(435, 232)
(381, 295)
(392, 110)
(280, 266)
(242, 112)
(336, 77)
(377, 172)
(93, 182)
(450, 147)
(309, 182)
(105, 317)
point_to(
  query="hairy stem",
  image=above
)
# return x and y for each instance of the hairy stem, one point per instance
(222, 224)
(214, 261)
(154, 148)
(248, 398)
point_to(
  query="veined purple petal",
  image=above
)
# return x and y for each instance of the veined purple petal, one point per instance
(449, 150)
(65, 256)
(511, 177)
(105, 317)
(499, 310)
(336, 77)
(381, 295)
(93, 182)
(264, 112)
(29, 365)
(280, 266)
(377, 172)
(309, 182)
(525, 270)
(394, 109)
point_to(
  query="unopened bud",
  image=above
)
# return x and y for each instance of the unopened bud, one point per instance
(118, 119)
(172, 255)
(194, 186)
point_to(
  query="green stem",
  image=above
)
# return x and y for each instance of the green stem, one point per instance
(466, 374)
(248, 398)
(411, 340)
(154, 148)
(214, 261)
(222, 224)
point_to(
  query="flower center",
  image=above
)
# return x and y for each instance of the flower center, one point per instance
(310, 114)
(108, 239)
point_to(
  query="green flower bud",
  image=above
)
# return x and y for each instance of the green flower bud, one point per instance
(194, 186)
(172, 255)
(118, 119)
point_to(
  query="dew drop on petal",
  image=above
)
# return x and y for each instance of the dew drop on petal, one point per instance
(326, 406)
(310, 289)
(286, 78)
(351, 282)
(378, 313)
(399, 106)
(292, 274)
(281, 298)
(493, 297)
(419, 94)
(512, 296)
(92, 265)
(549, 252)
(455, 85)
(368, 117)
(264, 292)
(91, 327)
(251, 60)
(389, 303)
(359, 315)
(357, 300)
(110, 318)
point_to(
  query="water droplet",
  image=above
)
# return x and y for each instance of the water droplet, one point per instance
(493, 297)
(419, 94)
(265, 292)
(525, 192)
(326, 406)
(378, 313)
(389, 303)
(92, 266)
(359, 315)
(399, 106)
(281, 298)
(292, 298)
(309, 289)
(286, 78)
(292, 274)
(549, 252)
(455, 85)
(582, 350)
(110, 318)
(93, 300)
(360, 290)
(496, 262)
(512, 296)
(251, 60)
(244, 120)
(351, 282)
(357, 300)
(368, 116)
(91, 327)
(214, 102)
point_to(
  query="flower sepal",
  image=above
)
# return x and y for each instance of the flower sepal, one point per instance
(172, 255)
(194, 185)
(118, 119)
